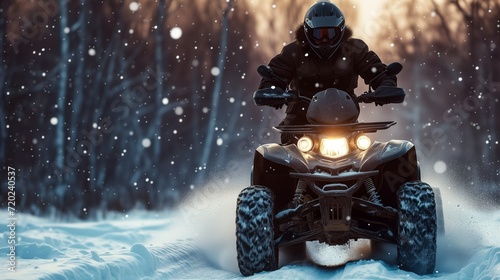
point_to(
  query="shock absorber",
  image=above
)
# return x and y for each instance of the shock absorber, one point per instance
(298, 198)
(373, 195)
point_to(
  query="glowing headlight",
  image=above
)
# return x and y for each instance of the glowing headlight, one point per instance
(334, 147)
(305, 144)
(363, 142)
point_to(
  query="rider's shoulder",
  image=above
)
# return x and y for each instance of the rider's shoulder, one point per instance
(293, 49)
(354, 45)
(355, 42)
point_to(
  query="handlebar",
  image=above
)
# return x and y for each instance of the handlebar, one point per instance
(276, 96)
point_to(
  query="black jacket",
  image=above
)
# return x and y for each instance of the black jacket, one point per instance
(306, 72)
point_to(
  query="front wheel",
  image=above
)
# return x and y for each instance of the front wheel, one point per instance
(255, 232)
(417, 228)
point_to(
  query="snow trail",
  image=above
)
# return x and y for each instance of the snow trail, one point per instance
(470, 235)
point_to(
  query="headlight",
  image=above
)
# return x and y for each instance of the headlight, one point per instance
(305, 144)
(363, 142)
(334, 147)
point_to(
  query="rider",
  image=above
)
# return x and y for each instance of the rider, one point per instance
(323, 55)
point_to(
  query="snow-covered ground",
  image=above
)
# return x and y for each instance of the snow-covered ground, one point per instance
(197, 242)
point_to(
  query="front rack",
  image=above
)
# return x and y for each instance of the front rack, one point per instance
(318, 128)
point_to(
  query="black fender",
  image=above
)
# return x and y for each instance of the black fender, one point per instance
(271, 168)
(382, 152)
(288, 155)
(397, 163)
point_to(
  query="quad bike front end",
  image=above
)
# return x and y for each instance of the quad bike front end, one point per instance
(362, 193)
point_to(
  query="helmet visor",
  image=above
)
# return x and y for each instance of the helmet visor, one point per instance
(324, 34)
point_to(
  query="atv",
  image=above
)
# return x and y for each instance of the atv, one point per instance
(334, 184)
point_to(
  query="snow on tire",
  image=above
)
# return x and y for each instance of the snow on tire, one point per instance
(254, 231)
(417, 228)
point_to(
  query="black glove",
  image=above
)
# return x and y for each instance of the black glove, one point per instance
(272, 97)
(277, 90)
(364, 98)
(389, 82)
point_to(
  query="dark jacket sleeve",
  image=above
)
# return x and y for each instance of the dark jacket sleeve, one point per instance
(282, 65)
(368, 65)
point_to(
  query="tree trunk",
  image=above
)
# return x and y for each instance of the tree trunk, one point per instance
(79, 76)
(154, 129)
(62, 89)
(216, 93)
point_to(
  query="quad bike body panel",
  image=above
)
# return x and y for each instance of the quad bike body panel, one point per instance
(395, 159)
(290, 156)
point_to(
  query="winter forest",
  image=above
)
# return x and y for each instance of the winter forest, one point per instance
(120, 104)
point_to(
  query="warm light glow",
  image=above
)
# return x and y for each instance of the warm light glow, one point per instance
(305, 144)
(363, 142)
(334, 147)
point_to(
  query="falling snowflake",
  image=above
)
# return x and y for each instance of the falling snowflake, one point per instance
(220, 141)
(440, 167)
(133, 6)
(176, 33)
(179, 110)
(215, 71)
(146, 143)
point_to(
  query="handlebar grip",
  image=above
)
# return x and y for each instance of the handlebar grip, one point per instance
(273, 97)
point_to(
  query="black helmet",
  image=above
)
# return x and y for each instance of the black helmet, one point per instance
(324, 26)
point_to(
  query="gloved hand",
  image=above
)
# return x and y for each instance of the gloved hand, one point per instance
(365, 98)
(388, 82)
(275, 90)
(272, 97)
(382, 86)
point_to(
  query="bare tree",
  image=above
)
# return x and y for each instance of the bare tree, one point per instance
(80, 27)
(62, 87)
(216, 92)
